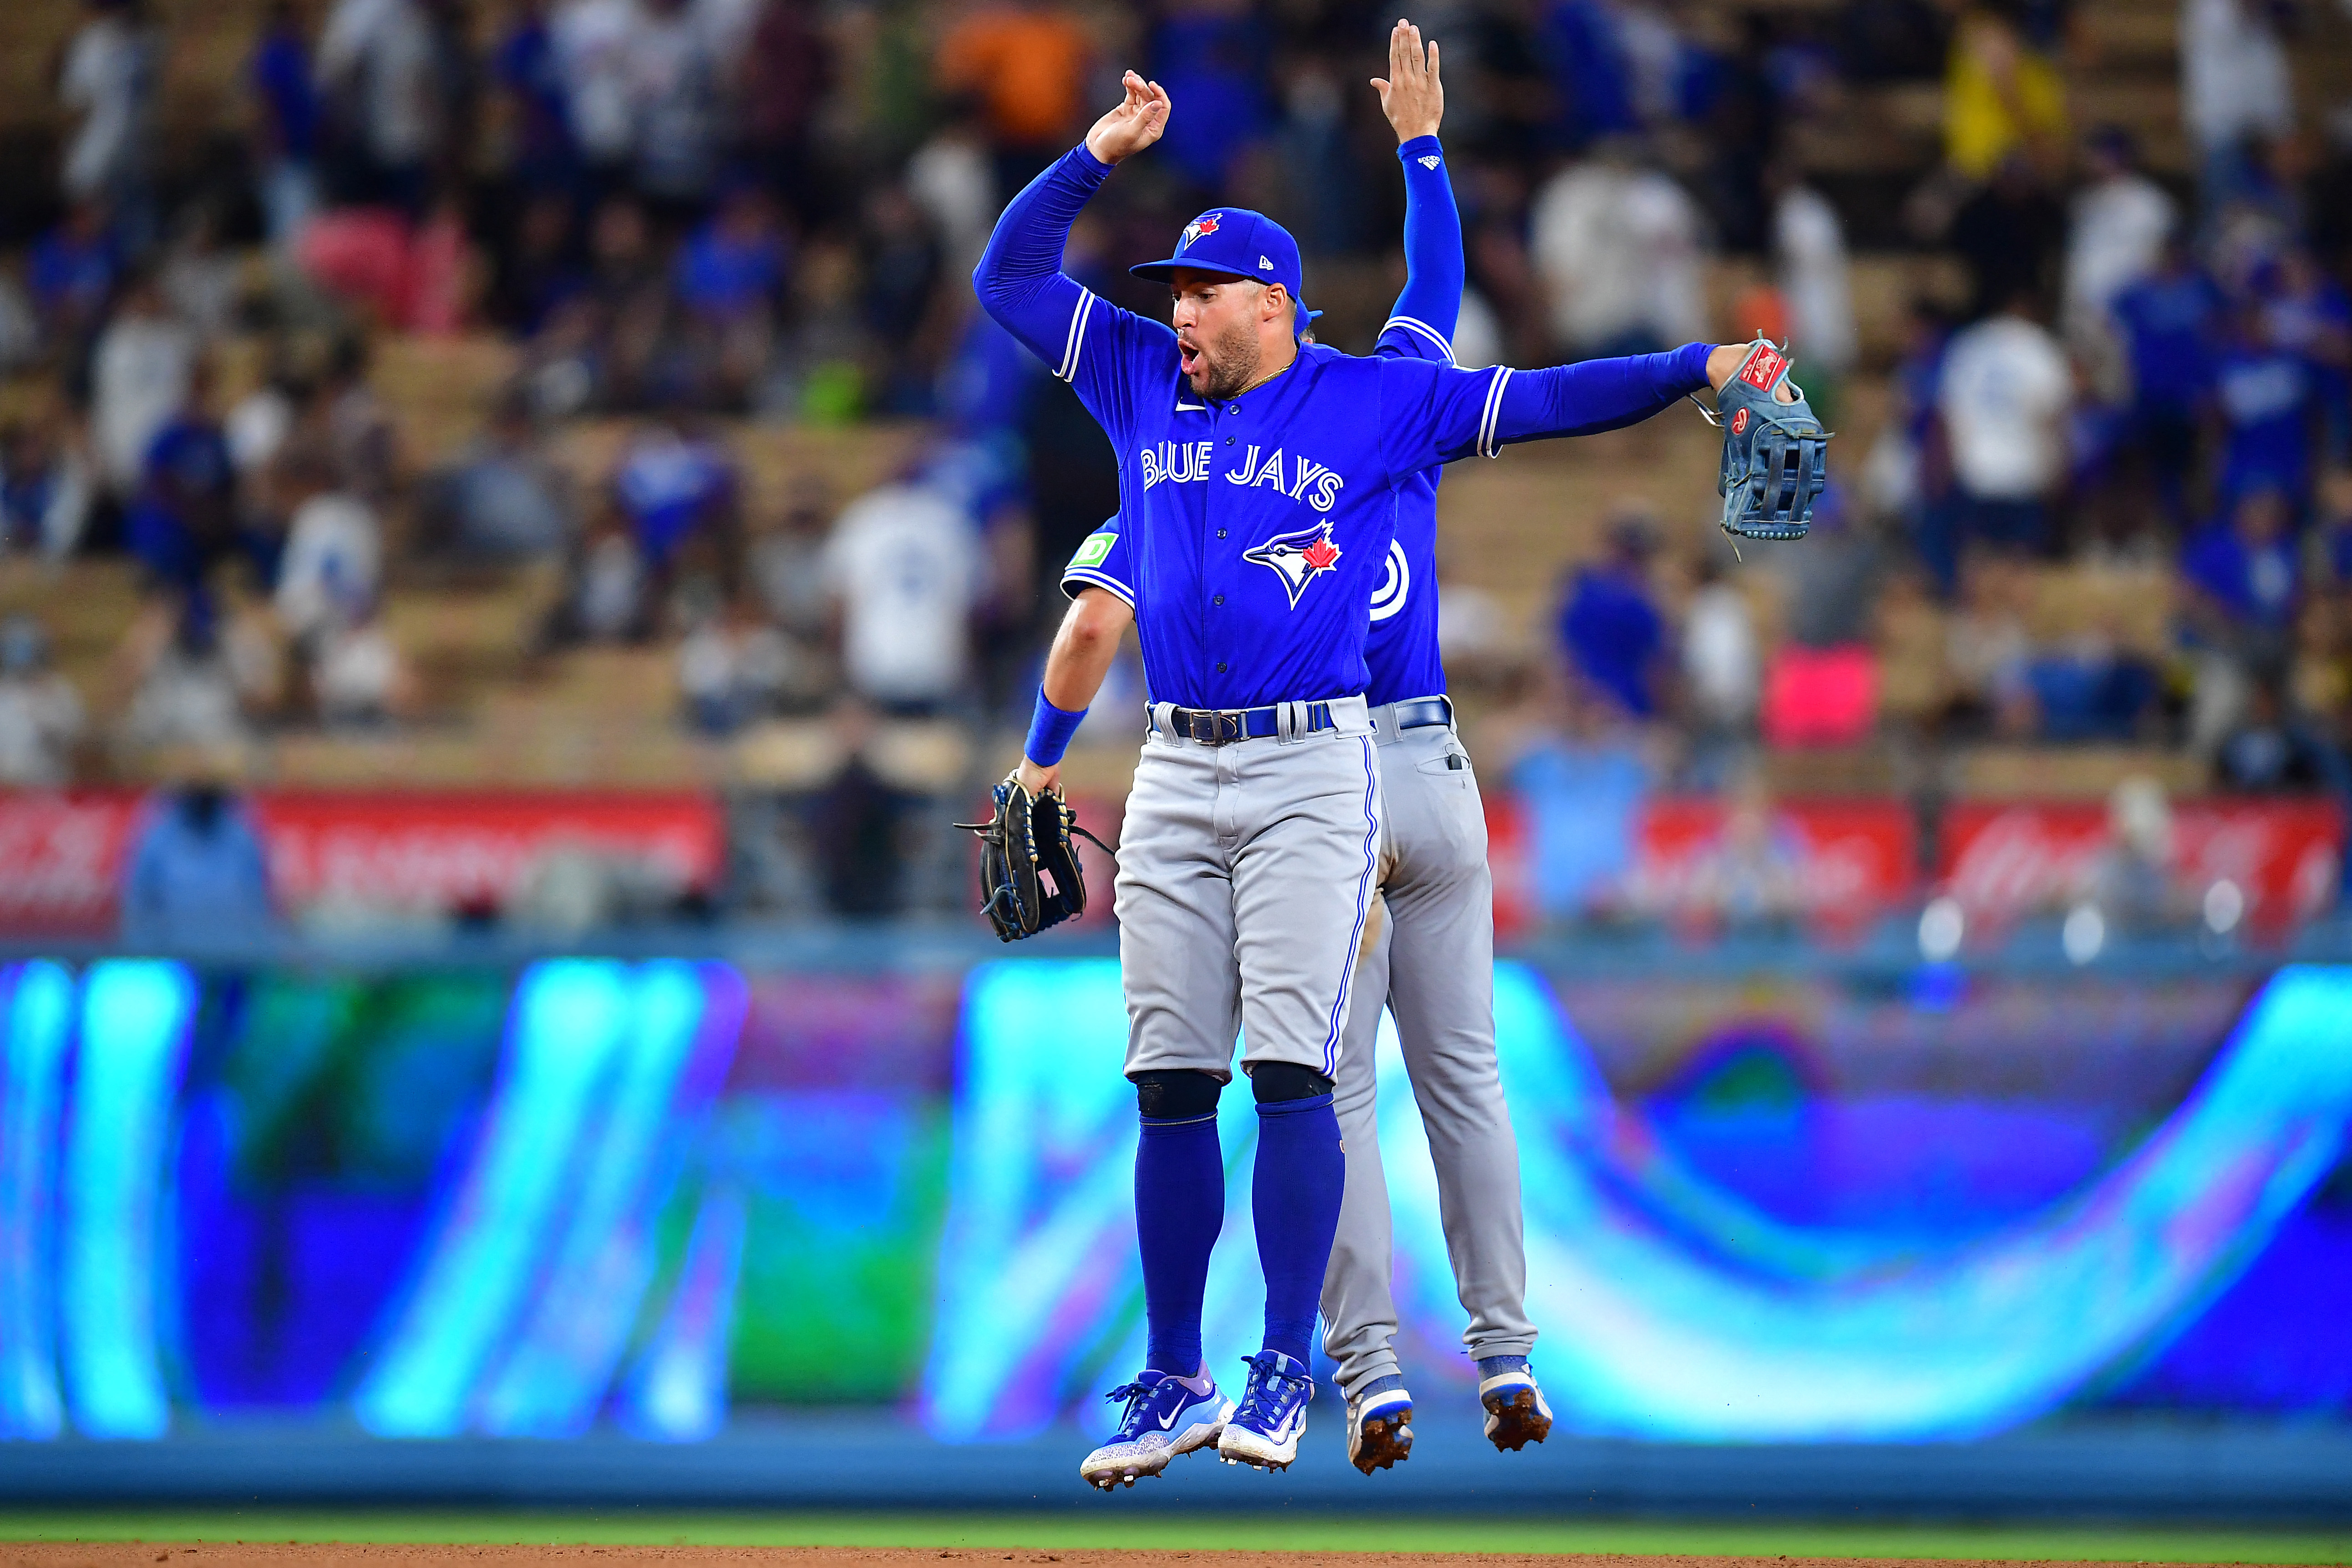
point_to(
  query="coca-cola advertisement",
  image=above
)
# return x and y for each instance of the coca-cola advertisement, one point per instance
(61, 856)
(2269, 862)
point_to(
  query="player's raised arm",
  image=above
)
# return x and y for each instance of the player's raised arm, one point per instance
(1020, 280)
(1413, 96)
(1435, 414)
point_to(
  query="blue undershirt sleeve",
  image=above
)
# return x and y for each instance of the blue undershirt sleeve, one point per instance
(1433, 246)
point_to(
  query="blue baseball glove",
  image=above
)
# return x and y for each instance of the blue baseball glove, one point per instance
(1772, 451)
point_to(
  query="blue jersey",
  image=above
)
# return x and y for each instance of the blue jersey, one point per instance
(1258, 529)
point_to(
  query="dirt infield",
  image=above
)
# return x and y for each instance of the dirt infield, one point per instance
(285, 1555)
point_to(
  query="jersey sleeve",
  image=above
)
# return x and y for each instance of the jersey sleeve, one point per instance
(1084, 340)
(1434, 413)
(1102, 563)
(1422, 324)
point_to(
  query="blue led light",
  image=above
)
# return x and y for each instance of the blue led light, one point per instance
(134, 1024)
(1670, 1309)
(36, 1030)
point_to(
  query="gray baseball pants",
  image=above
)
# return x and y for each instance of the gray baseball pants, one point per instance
(1432, 958)
(1246, 876)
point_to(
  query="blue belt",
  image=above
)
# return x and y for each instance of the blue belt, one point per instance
(1423, 711)
(1223, 726)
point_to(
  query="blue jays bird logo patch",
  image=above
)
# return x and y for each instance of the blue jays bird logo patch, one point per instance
(1205, 224)
(1297, 557)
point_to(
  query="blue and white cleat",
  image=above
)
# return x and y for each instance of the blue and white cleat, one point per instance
(1516, 1414)
(1264, 1430)
(1380, 1426)
(1164, 1418)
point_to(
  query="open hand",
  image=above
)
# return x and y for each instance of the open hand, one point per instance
(1413, 97)
(1134, 125)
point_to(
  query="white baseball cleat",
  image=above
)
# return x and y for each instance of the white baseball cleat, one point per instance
(1516, 1414)
(1379, 1429)
(1264, 1430)
(1164, 1418)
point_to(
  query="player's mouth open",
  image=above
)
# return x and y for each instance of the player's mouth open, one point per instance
(1188, 355)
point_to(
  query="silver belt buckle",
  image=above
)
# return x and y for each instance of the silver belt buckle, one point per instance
(1208, 725)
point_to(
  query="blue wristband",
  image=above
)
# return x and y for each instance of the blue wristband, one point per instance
(1050, 728)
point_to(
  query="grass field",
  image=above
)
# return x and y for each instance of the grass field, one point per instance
(2135, 1542)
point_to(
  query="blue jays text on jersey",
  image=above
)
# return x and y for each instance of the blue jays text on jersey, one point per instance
(1245, 593)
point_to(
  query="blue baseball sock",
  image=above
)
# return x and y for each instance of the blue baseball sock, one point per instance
(1295, 1200)
(1179, 1206)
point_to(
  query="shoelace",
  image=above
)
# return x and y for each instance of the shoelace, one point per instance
(1263, 1396)
(1137, 1395)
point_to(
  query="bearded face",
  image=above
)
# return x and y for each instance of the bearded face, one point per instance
(1215, 318)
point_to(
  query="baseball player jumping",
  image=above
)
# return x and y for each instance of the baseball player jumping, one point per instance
(1261, 479)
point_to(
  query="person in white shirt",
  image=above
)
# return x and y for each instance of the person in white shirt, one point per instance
(140, 375)
(2235, 87)
(1617, 247)
(2115, 237)
(334, 550)
(904, 564)
(381, 55)
(41, 716)
(108, 82)
(2006, 391)
(1809, 243)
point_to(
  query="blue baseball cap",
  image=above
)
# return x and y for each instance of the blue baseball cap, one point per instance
(1240, 242)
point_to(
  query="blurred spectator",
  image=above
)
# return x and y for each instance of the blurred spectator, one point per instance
(1025, 62)
(2306, 312)
(503, 498)
(788, 563)
(1987, 652)
(185, 518)
(2134, 880)
(358, 678)
(1751, 876)
(2235, 90)
(2170, 323)
(606, 599)
(1609, 627)
(193, 681)
(1809, 244)
(951, 179)
(536, 107)
(140, 377)
(258, 426)
(2011, 234)
(1618, 248)
(1834, 582)
(901, 263)
(673, 81)
(46, 489)
(1906, 474)
(2091, 689)
(732, 667)
(786, 69)
(203, 281)
(41, 717)
(2267, 399)
(1212, 55)
(730, 275)
(286, 124)
(334, 550)
(2002, 98)
(2006, 391)
(378, 61)
(857, 825)
(2243, 570)
(197, 873)
(672, 484)
(2274, 751)
(540, 266)
(1722, 674)
(2115, 237)
(72, 273)
(1584, 781)
(593, 41)
(107, 84)
(905, 566)
(359, 428)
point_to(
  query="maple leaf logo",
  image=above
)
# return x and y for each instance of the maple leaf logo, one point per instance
(1297, 557)
(1205, 224)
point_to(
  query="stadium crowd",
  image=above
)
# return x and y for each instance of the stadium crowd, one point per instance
(688, 215)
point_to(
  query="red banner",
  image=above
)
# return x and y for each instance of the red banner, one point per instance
(1833, 862)
(61, 856)
(2003, 861)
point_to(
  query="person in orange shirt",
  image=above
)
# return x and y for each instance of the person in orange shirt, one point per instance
(1024, 65)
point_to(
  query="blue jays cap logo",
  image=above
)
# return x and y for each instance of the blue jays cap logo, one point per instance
(1205, 224)
(1297, 557)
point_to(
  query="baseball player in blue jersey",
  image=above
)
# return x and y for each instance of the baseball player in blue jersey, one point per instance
(1261, 479)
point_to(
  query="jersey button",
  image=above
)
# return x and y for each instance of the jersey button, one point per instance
(1229, 440)
(1221, 534)
(1221, 667)
(1218, 600)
